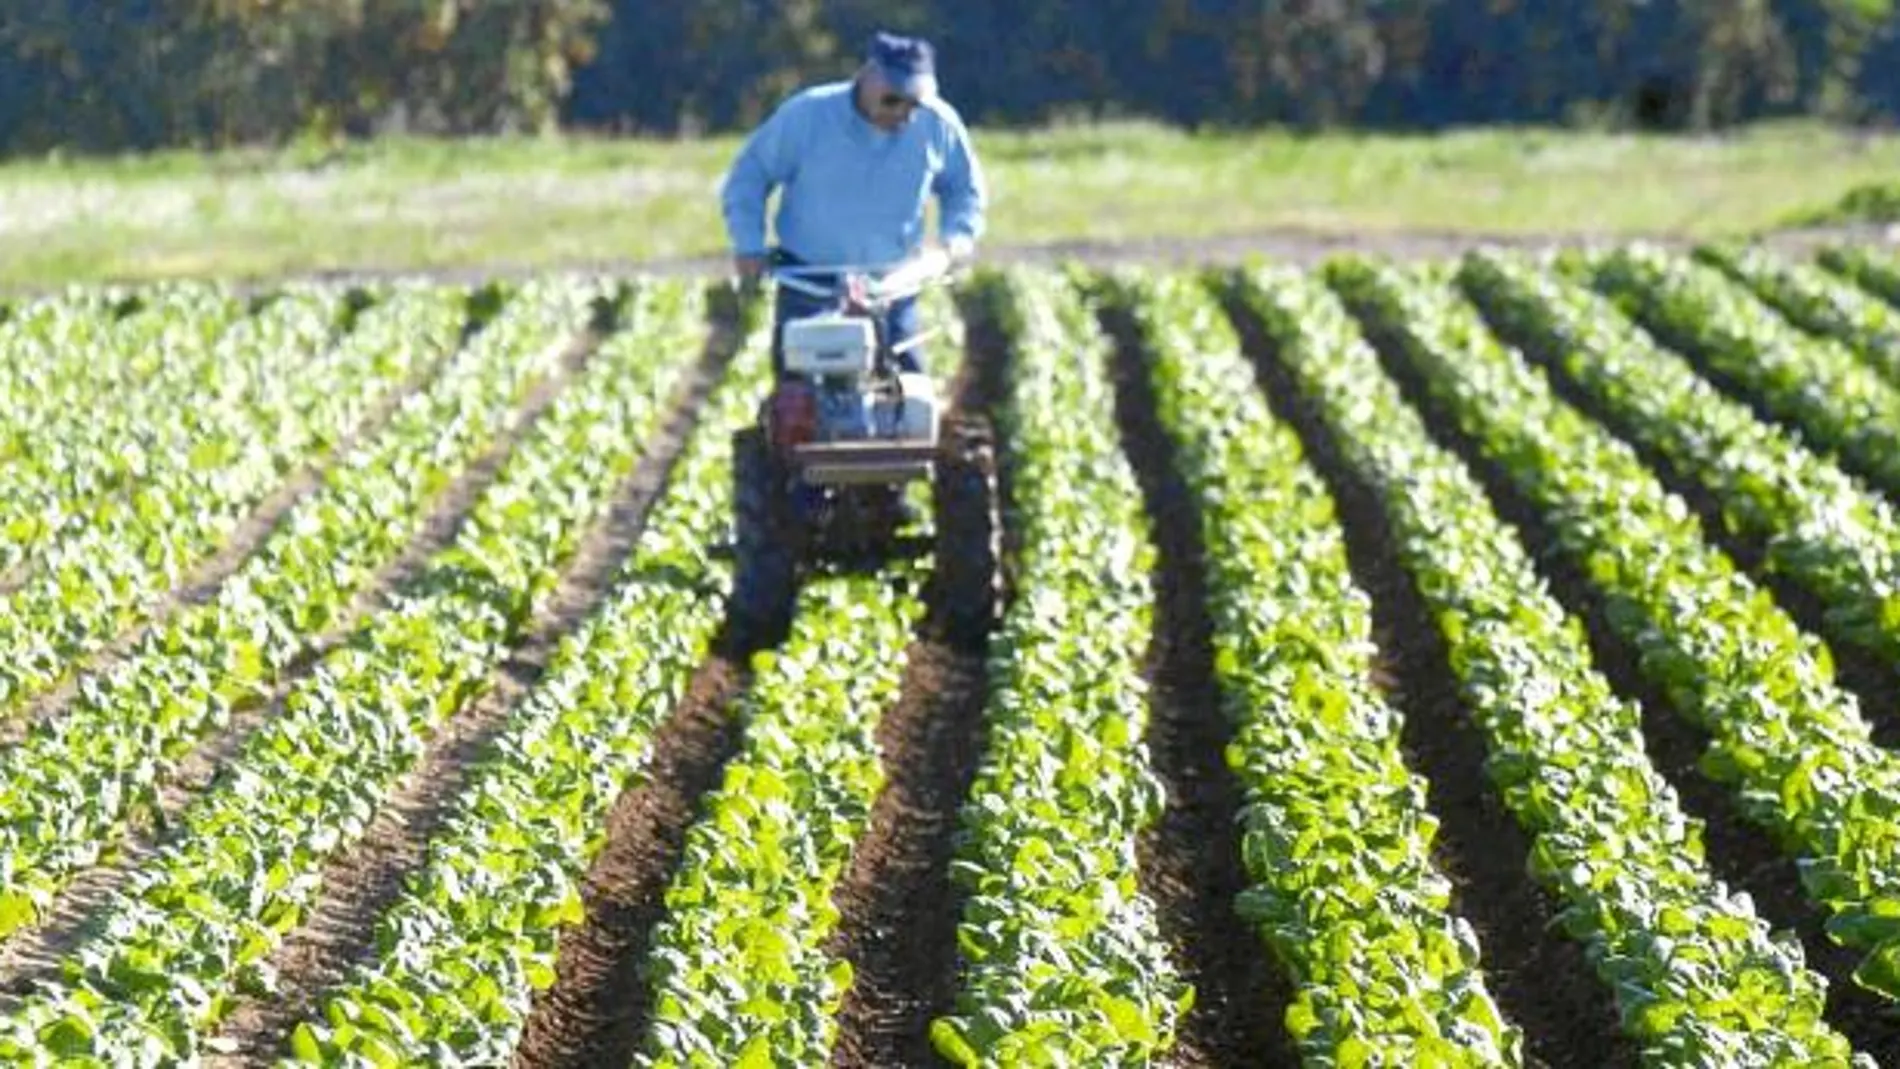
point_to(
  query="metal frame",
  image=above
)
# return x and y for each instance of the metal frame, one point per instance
(843, 463)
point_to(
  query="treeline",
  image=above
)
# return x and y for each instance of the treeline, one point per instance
(105, 75)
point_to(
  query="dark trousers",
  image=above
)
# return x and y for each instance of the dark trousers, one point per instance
(902, 320)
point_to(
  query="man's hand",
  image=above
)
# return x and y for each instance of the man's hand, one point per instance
(961, 250)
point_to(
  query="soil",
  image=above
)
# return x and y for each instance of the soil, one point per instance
(899, 907)
(1190, 862)
(1739, 853)
(1542, 981)
(361, 883)
(595, 1011)
(1289, 245)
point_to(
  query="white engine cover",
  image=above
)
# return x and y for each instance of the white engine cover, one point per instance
(830, 344)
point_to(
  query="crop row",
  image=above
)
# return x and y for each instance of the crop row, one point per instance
(54, 357)
(1337, 835)
(1696, 975)
(1061, 953)
(474, 934)
(54, 364)
(88, 394)
(221, 376)
(68, 786)
(739, 969)
(292, 397)
(1786, 738)
(1817, 523)
(1817, 385)
(1873, 272)
(1819, 301)
(198, 923)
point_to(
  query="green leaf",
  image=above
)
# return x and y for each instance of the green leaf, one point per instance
(1880, 970)
(16, 912)
(1659, 1017)
(757, 1054)
(946, 1035)
(304, 1046)
(71, 1036)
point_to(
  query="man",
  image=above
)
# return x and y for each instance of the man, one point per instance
(856, 162)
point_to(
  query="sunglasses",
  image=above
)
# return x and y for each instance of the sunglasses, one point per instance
(897, 100)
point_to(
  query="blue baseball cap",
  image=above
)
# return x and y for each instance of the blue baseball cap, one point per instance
(909, 64)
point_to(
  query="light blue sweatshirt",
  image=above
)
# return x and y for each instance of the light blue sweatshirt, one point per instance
(850, 192)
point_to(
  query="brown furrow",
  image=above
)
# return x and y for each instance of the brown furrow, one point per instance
(1739, 853)
(1860, 669)
(1767, 410)
(591, 1014)
(31, 955)
(1541, 980)
(898, 907)
(597, 1010)
(363, 881)
(1190, 860)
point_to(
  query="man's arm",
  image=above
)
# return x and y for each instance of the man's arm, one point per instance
(961, 191)
(763, 163)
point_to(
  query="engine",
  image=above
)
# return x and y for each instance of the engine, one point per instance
(830, 345)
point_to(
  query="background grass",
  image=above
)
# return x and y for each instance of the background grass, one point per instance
(524, 202)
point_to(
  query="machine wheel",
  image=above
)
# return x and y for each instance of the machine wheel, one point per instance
(969, 534)
(764, 541)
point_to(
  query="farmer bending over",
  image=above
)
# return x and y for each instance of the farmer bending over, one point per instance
(857, 161)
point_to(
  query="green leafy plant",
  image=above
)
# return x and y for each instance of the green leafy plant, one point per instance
(475, 933)
(1608, 836)
(1062, 958)
(199, 921)
(1788, 741)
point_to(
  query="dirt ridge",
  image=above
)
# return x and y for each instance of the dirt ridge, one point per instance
(594, 1011)
(363, 882)
(1541, 980)
(32, 955)
(899, 909)
(1190, 862)
(1739, 853)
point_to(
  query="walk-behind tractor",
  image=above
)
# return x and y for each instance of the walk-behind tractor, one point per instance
(821, 479)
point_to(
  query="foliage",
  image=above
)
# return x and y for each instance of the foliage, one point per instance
(1870, 202)
(338, 667)
(89, 75)
(1060, 949)
(1608, 836)
(1789, 742)
(1674, 63)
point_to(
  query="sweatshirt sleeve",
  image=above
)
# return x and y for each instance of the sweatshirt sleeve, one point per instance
(960, 184)
(763, 163)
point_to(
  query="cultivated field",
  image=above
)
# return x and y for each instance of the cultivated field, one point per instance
(1467, 661)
